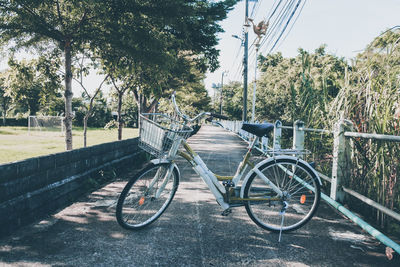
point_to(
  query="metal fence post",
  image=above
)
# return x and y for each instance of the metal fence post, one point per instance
(341, 166)
(277, 135)
(298, 136)
(264, 143)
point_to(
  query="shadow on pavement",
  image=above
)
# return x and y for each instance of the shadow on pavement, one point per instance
(191, 232)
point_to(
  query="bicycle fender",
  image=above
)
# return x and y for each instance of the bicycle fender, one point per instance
(271, 159)
(157, 161)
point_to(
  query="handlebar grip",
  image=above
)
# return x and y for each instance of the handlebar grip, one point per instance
(219, 116)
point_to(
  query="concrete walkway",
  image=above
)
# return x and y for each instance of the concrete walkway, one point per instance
(191, 232)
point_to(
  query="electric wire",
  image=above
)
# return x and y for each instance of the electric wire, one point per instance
(275, 23)
(287, 23)
(278, 23)
(281, 15)
(270, 9)
(254, 11)
(270, 15)
(237, 56)
(278, 20)
(294, 22)
(239, 71)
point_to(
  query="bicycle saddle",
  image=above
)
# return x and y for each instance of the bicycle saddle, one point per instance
(258, 129)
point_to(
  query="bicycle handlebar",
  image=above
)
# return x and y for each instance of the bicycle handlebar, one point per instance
(187, 118)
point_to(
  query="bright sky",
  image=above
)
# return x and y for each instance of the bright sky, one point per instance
(346, 26)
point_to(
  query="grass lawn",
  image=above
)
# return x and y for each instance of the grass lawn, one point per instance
(16, 144)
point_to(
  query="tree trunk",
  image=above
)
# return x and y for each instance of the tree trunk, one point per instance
(119, 119)
(4, 113)
(139, 110)
(85, 119)
(68, 96)
(142, 104)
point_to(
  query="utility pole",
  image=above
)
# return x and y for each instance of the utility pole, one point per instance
(214, 101)
(245, 61)
(222, 86)
(260, 29)
(254, 88)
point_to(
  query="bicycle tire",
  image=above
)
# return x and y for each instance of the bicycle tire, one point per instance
(138, 206)
(302, 202)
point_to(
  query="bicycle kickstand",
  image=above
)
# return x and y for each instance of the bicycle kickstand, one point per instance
(283, 211)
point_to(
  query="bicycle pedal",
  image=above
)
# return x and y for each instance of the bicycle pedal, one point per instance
(226, 212)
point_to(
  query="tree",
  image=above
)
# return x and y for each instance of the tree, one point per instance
(120, 91)
(50, 25)
(31, 84)
(192, 96)
(81, 71)
(5, 99)
(153, 34)
(129, 111)
(100, 115)
(182, 33)
(54, 107)
(24, 86)
(233, 100)
(299, 88)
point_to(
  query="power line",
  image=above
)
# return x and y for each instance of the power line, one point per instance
(270, 15)
(294, 22)
(237, 56)
(287, 23)
(239, 72)
(277, 27)
(255, 9)
(277, 23)
(281, 15)
(274, 26)
(286, 13)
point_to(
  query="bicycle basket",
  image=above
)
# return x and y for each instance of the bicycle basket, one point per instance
(159, 133)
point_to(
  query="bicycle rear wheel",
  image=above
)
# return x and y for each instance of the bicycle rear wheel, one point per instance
(301, 190)
(147, 195)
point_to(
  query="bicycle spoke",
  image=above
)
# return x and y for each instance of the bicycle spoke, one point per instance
(299, 202)
(138, 205)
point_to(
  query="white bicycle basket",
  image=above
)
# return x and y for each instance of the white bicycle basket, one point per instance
(159, 133)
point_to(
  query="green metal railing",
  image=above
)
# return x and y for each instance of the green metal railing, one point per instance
(340, 170)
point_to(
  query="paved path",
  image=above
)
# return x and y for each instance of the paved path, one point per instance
(191, 232)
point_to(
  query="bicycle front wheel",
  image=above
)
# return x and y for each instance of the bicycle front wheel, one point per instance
(147, 195)
(301, 195)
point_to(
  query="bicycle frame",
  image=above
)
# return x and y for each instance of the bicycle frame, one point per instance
(213, 181)
(252, 186)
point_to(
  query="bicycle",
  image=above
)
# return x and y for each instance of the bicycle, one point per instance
(280, 193)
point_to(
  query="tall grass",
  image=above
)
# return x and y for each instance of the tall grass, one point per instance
(370, 98)
(369, 95)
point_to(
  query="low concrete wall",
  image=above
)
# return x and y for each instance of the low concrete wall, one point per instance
(33, 188)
